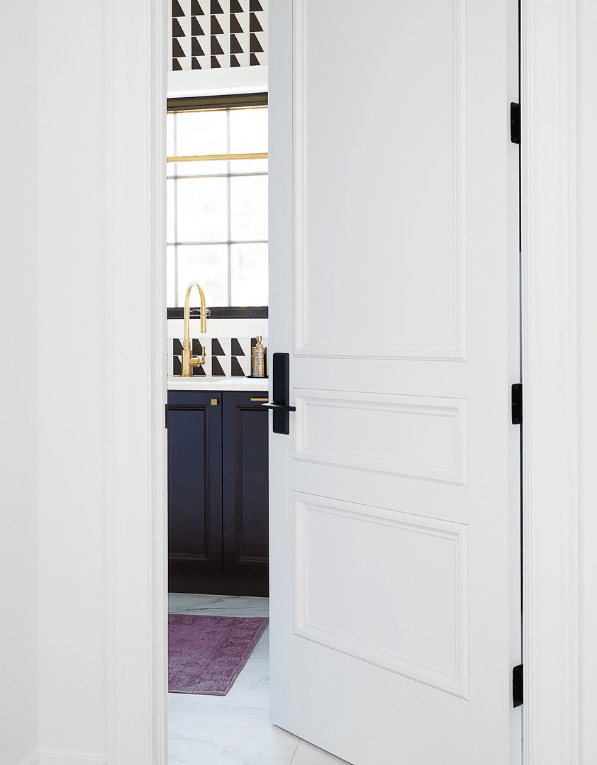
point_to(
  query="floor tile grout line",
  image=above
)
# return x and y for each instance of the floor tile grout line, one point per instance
(298, 741)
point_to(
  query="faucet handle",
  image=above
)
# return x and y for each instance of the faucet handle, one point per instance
(197, 361)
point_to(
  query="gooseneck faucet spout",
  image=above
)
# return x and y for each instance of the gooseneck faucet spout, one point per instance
(188, 360)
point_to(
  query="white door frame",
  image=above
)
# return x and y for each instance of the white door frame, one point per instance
(549, 376)
(136, 61)
(137, 374)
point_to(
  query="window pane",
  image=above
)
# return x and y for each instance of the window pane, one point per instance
(170, 233)
(201, 133)
(210, 167)
(170, 280)
(202, 210)
(171, 166)
(236, 167)
(248, 130)
(207, 265)
(249, 274)
(170, 134)
(248, 207)
(248, 166)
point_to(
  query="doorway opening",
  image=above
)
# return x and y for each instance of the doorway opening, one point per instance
(218, 510)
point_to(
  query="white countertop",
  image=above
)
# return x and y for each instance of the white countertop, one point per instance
(217, 383)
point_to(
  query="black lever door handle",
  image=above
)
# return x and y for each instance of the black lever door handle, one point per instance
(279, 406)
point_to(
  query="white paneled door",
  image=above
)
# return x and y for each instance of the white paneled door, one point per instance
(395, 497)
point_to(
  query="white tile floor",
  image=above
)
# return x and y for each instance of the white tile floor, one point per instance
(234, 729)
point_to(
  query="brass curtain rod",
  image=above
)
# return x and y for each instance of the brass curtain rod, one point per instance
(215, 157)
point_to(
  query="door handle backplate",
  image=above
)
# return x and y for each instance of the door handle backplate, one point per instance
(281, 386)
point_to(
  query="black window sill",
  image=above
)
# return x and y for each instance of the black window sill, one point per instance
(223, 312)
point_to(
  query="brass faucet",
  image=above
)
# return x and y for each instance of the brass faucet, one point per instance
(188, 360)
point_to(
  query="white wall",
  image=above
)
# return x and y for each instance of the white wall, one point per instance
(71, 365)
(587, 268)
(18, 347)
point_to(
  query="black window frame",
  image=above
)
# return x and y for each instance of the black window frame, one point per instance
(205, 103)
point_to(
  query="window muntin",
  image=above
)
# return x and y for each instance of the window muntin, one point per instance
(217, 210)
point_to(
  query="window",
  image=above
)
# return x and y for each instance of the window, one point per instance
(217, 207)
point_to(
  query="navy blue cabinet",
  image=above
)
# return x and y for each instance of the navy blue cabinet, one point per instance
(218, 492)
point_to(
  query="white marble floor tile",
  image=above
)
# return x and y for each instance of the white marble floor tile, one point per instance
(217, 605)
(307, 754)
(203, 732)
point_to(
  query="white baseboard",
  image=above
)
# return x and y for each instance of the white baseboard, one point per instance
(58, 756)
(32, 758)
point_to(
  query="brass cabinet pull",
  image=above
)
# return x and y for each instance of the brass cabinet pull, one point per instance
(259, 399)
(214, 402)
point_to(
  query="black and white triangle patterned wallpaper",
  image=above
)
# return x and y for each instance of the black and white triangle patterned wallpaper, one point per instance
(224, 356)
(218, 34)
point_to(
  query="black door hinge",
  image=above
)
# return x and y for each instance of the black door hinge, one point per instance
(166, 424)
(517, 692)
(515, 123)
(517, 404)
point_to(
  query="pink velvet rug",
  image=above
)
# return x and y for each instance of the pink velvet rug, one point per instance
(206, 653)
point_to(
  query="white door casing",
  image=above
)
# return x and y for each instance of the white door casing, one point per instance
(394, 501)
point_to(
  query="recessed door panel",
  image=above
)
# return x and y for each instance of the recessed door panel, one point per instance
(408, 565)
(417, 436)
(397, 213)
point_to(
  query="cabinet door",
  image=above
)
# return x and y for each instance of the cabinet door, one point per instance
(246, 490)
(194, 488)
